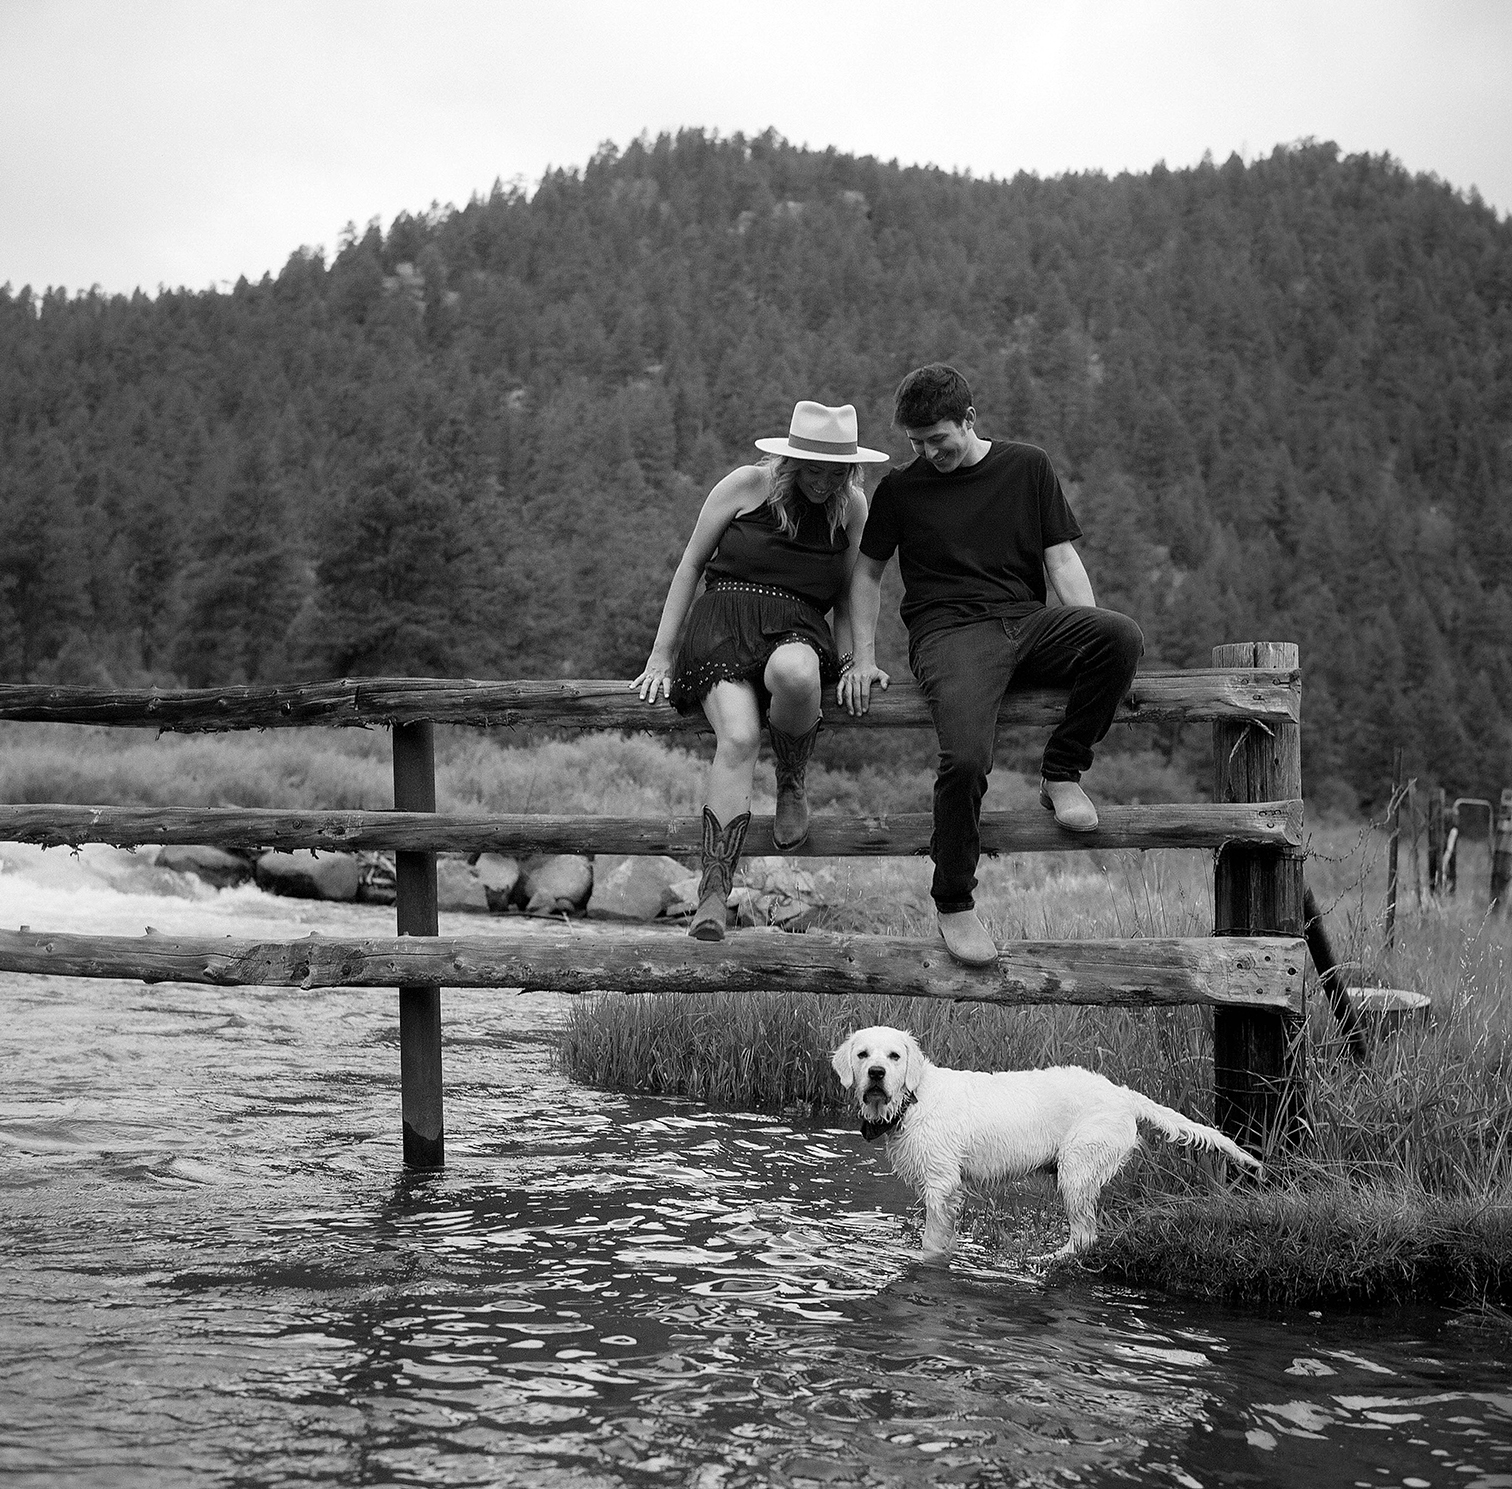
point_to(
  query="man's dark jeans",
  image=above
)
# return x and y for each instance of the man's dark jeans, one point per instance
(964, 673)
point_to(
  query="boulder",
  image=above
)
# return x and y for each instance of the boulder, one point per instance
(458, 887)
(774, 891)
(633, 888)
(682, 895)
(309, 876)
(778, 875)
(499, 875)
(555, 882)
(213, 865)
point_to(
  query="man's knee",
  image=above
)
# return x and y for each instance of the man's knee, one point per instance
(964, 765)
(1124, 640)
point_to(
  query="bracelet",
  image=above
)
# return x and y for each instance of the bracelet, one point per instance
(846, 663)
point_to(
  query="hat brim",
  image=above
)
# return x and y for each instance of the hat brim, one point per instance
(862, 455)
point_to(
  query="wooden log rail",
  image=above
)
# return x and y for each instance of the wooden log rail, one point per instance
(1239, 972)
(1205, 695)
(1030, 829)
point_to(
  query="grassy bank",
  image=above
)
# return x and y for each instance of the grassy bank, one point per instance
(1402, 1190)
(1316, 1242)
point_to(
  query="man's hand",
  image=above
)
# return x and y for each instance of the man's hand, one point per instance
(853, 691)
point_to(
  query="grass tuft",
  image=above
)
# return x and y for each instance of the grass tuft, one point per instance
(1356, 1244)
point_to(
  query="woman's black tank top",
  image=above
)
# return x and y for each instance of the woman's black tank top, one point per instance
(811, 564)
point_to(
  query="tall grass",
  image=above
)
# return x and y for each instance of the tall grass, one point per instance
(476, 771)
(130, 767)
(693, 1042)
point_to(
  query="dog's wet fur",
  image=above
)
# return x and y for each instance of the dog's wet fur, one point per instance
(948, 1128)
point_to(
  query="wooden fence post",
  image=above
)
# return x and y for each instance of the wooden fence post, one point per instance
(1501, 854)
(419, 1007)
(1257, 1054)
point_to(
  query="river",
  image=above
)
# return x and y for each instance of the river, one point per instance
(215, 1272)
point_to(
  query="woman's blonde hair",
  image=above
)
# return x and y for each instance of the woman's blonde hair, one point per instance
(787, 501)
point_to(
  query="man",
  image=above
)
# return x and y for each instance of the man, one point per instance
(978, 525)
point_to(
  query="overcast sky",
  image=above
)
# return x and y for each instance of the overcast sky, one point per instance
(186, 142)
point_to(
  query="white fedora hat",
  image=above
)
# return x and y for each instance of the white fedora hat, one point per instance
(821, 433)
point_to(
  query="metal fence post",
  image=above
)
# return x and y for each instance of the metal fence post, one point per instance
(1436, 829)
(419, 1007)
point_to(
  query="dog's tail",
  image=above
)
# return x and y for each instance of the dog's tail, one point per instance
(1181, 1129)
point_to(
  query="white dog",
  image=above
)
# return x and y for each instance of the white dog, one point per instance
(948, 1127)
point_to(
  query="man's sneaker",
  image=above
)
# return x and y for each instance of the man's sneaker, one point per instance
(966, 938)
(1072, 807)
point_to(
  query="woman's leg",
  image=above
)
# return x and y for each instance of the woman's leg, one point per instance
(792, 678)
(735, 718)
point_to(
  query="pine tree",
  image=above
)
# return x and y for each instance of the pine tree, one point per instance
(242, 591)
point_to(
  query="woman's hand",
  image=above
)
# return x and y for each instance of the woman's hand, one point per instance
(654, 675)
(853, 691)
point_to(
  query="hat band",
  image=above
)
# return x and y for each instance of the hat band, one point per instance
(823, 446)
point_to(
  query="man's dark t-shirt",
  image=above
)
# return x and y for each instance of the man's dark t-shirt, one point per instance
(970, 542)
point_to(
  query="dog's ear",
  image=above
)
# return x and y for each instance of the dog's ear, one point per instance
(914, 1061)
(841, 1060)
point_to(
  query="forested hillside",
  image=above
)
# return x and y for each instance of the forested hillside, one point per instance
(1280, 396)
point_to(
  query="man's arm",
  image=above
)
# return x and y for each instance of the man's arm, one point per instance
(853, 691)
(855, 525)
(1068, 575)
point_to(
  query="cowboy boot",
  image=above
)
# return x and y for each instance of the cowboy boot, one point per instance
(1072, 806)
(721, 852)
(790, 829)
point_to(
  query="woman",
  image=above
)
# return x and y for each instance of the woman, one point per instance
(778, 541)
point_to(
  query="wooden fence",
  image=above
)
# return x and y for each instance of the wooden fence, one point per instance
(1250, 972)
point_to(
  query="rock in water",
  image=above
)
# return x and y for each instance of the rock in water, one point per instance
(213, 865)
(556, 882)
(309, 876)
(499, 875)
(458, 887)
(775, 891)
(633, 888)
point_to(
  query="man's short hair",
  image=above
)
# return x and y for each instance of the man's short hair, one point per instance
(929, 394)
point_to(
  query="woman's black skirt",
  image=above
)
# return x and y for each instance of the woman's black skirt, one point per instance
(733, 628)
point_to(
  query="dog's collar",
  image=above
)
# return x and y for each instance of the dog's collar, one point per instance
(871, 1131)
